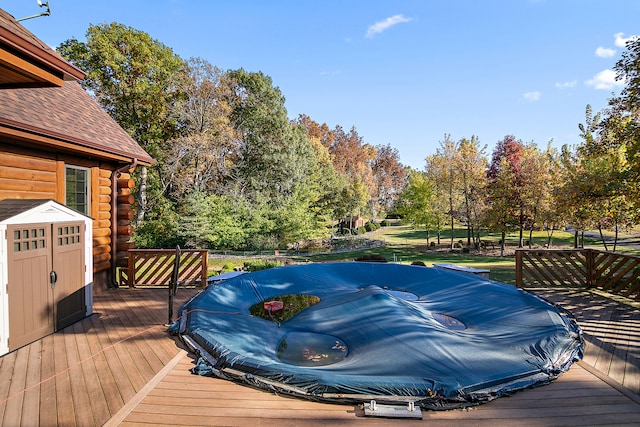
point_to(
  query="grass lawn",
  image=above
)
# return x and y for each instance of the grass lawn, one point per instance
(406, 245)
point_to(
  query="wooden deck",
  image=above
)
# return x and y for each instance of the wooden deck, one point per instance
(120, 367)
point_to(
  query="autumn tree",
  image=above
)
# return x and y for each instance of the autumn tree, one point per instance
(471, 165)
(441, 168)
(389, 176)
(537, 186)
(508, 154)
(205, 151)
(501, 214)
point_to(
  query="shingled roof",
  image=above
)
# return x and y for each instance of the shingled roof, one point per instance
(41, 102)
(66, 118)
(26, 61)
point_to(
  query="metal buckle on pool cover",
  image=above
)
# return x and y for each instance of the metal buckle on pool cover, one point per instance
(373, 409)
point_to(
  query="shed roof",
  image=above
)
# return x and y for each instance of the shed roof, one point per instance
(52, 210)
(66, 118)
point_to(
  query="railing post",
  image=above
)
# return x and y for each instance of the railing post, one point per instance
(205, 268)
(132, 270)
(590, 267)
(173, 283)
(519, 268)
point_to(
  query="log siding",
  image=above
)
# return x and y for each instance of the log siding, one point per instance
(33, 174)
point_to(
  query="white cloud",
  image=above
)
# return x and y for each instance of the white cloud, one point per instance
(621, 40)
(565, 85)
(605, 80)
(381, 26)
(604, 52)
(532, 96)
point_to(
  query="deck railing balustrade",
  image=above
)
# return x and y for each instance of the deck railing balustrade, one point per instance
(611, 272)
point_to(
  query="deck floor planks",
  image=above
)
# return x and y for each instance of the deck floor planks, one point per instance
(107, 350)
(213, 401)
(79, 389)
(118, 359)
(65, 414)
(610, 329)
(31, 400)
(93, 377)
(15, 397)
(6, 370)
(109, 388)
(48, 401)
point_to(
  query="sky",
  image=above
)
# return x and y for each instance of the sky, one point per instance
(402, 72)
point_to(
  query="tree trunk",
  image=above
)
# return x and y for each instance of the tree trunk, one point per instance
(142, 195)
(604, 243)
(502, 241)
(575, 239)
(530, 237)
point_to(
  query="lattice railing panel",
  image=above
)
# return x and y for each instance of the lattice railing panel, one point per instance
(550, 268)
(614, 273)
(153, 267)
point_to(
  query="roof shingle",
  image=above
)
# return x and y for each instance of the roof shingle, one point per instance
(68, 114)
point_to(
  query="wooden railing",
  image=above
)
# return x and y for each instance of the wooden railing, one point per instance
(615, 273)
(153, 267)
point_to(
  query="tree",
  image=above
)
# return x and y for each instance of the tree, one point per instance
(133, 77)
(417, 202)
(628, 70)
(501, 214)
(508, 153)
(537, 185)
(274, 156)
(442, 170)
(203, 155)
(471, 164)
(389, 176)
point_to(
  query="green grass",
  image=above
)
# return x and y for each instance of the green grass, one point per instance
(406, 245)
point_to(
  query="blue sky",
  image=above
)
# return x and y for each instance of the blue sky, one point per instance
(403, 72)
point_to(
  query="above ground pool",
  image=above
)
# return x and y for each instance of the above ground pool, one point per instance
(352, 332)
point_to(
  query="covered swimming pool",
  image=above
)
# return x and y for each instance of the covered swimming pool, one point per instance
(352, 332)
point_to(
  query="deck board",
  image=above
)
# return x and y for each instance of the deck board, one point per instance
(577, 398)
(117, 366)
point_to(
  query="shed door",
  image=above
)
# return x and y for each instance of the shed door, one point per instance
(40, 254)
(68, 265)
(30, 294)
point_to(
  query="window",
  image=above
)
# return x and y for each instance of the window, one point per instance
(77, 188)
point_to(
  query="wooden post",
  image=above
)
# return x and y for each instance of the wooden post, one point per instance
(519, 268)
(173, 283)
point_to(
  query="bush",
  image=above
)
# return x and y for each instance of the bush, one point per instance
(227, 267)
(420, 263)
(262, 264)
(371, 258)
(385, 223)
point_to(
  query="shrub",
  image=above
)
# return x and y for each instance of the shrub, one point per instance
(262, 264)
(385, 223)
(227, 267)
(371, 258)
(420, 263)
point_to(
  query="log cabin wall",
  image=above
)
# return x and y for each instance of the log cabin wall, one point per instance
(33, 174)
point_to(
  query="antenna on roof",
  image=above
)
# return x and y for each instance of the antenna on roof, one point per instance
(45, 13)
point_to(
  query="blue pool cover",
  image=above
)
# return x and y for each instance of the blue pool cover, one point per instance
(394, 333)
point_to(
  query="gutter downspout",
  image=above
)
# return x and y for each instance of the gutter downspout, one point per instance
(114, 217)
